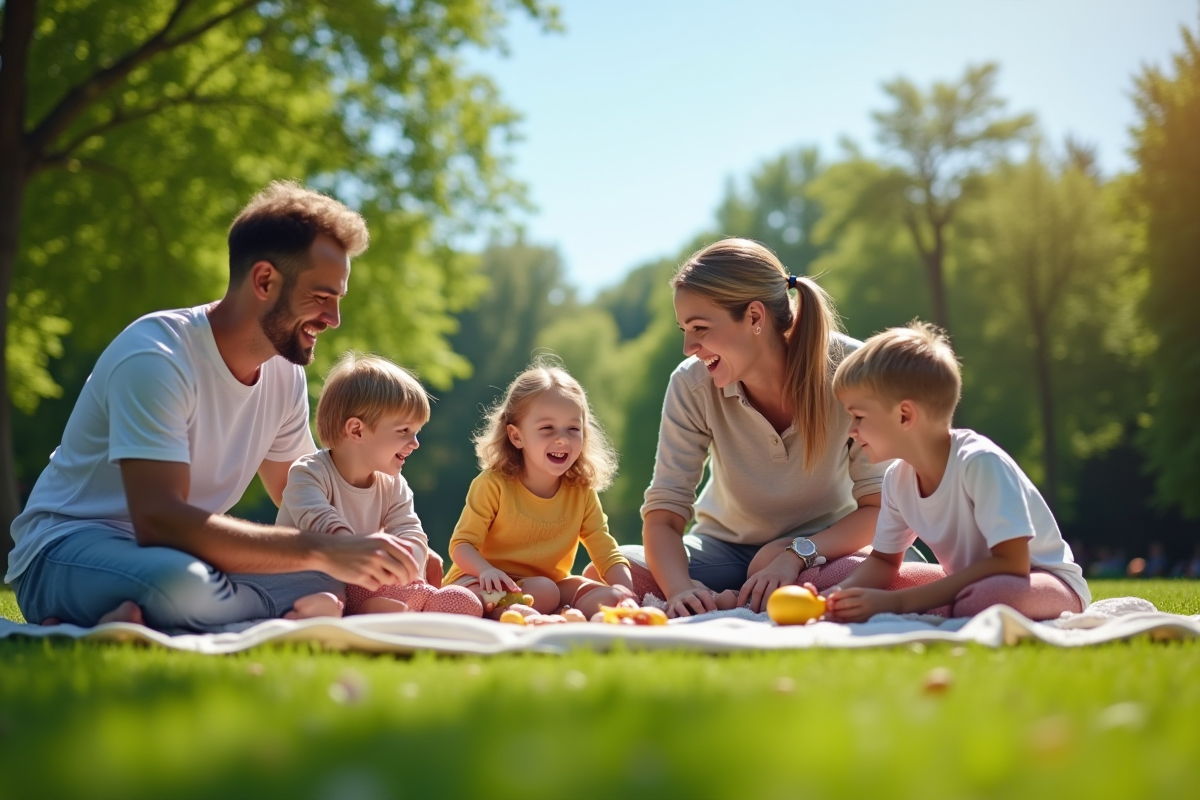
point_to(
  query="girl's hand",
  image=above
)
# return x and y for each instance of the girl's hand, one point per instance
(695, 600)
(859, 605)
(496, 580)
(782, 571)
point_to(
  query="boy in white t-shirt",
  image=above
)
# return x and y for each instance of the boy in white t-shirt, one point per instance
(994, 537)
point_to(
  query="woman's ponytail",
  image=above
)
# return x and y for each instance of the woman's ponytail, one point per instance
(808, 369)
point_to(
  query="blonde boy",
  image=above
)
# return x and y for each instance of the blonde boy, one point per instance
(368, 418)
(991, 531)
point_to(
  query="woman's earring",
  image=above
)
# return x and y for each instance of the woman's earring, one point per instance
(757, 330)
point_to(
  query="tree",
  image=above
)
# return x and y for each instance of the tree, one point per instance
(131, 132)
(1166, 196)
(1046, 264)
(938, 144)
(777, 209)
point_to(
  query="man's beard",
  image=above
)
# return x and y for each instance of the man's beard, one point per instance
(282, 329)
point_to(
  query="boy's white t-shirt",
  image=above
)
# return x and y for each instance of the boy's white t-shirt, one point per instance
(161, 392)
(984, 499)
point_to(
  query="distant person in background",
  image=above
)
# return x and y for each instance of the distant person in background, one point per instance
(790, 497)
(127, 521)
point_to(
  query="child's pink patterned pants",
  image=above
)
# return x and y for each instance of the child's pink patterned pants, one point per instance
(420, 596)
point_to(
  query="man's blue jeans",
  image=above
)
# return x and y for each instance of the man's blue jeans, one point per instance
(86, 574)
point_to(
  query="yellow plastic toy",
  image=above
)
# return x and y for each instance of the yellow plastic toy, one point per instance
(794, 605)
(513, 617)
(494, 600)
(622, 615)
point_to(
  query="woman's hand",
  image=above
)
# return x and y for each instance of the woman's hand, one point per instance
(859, 605)
(496, 580)
(696, 600)
(782, 571)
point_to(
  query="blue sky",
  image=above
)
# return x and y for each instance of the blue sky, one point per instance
(637, 116)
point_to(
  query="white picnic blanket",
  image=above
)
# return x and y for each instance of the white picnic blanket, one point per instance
(718, 632)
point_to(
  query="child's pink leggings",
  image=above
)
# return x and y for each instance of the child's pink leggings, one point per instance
(420, 596)
(1041, 596)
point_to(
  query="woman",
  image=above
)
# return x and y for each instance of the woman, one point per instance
(788, 491)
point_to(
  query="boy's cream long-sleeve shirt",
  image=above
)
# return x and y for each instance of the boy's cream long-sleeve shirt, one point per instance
(758, 489)
(526, 536)
(318, 498)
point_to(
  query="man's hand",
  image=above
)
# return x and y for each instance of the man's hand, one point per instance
(782, 571)
(372, 561)
(859, 605)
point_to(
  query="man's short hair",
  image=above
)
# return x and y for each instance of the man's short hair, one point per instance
(279, 225)
(911, 363)
(368, 387)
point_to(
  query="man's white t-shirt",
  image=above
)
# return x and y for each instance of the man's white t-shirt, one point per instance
(984, 499)
(161, 392)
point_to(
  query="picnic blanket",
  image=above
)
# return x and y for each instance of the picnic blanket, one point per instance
(717, 632)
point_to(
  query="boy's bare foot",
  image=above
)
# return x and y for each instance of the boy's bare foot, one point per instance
(128, 611)
(382, 605)
(321, 604)
(725, 600)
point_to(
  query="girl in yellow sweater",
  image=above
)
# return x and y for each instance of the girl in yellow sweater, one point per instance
(544, 458)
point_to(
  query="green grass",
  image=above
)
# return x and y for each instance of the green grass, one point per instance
(83, 720)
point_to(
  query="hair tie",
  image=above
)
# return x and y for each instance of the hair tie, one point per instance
(791, 281)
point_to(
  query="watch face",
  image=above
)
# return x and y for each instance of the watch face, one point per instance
(804, 547)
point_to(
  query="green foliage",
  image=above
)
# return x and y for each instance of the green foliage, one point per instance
(1165, 194)
(777, 209)
(869, 264)
(1051, 363)
(938, 143)
(367, 99)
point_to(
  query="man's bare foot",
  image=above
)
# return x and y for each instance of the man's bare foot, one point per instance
(321, 604)
(382, 605)
(128, 611)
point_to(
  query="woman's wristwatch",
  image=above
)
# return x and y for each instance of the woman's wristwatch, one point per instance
(803, 547)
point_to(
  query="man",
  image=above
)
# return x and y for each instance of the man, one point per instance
(183, 407)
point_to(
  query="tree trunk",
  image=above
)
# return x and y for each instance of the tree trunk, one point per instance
(12, 186)
(15, 163)
(1045, 391)
(935, 272)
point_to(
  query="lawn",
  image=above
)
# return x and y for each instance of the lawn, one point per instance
(124, 721)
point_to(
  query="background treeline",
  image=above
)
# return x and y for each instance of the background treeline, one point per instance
(1070, 295)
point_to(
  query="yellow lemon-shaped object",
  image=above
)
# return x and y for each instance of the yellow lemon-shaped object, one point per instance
(794, 605)
(513, 617)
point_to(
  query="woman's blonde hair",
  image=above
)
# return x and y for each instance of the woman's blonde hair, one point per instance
(733, 273)
(369, 387)
(597, 462)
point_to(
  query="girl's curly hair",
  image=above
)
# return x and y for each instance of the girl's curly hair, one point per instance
(597, 462)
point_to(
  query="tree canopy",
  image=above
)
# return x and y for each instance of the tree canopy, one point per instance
(132, 131)
(1165, 194)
